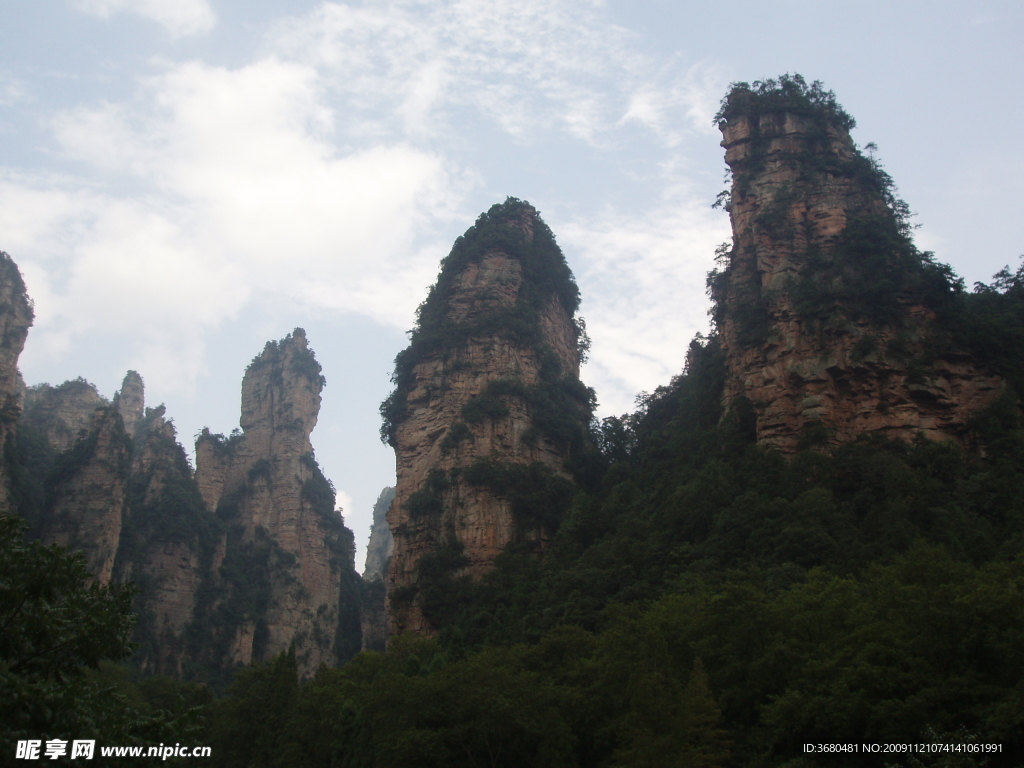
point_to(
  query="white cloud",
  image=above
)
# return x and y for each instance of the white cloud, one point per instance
(179, 17)
(243, 195)
(642, 280)
(319, 175)
(11, 89)
(528, 66)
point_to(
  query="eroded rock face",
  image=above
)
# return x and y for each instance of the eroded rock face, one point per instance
(822, 313)
(284, 537)
(494, 359)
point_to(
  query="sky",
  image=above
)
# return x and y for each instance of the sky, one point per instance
(184, 180)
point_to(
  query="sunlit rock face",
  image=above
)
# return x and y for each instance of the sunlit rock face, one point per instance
(493, 362)
(826, 311)
(285, 570)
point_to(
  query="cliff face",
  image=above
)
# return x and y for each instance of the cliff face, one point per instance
(167, 547)
(89, 487)
(824, 307)
(487, 409)
(286, 557)
(15, 319)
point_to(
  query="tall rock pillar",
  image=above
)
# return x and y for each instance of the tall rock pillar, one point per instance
(825, 309)
(286, 569)
(488, 415)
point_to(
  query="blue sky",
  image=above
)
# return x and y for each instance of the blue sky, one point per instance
(182, 180)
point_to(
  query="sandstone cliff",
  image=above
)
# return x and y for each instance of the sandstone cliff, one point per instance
(285, 570)
(826, 311)
(15, 319)
(488, 410)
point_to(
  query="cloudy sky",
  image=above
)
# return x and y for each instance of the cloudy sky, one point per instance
(182, 180)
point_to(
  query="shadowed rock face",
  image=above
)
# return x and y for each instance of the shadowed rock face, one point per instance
(822, 307)
(381, 544)
(15, 319)
(284, 537)
(494, 340)
(167, 544)
(374, 617)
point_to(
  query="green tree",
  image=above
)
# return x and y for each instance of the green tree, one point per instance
(249, 727)
(56, 625)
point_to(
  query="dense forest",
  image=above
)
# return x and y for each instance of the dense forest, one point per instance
(705, 601)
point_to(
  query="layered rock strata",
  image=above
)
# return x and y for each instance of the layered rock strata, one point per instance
(487, 405)
(822, 306)
(286, 555)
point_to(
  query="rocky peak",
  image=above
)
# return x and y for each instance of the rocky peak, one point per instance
(281, 391)
(487, 404)
(284, 537)
(131, 401)
(825, 309)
